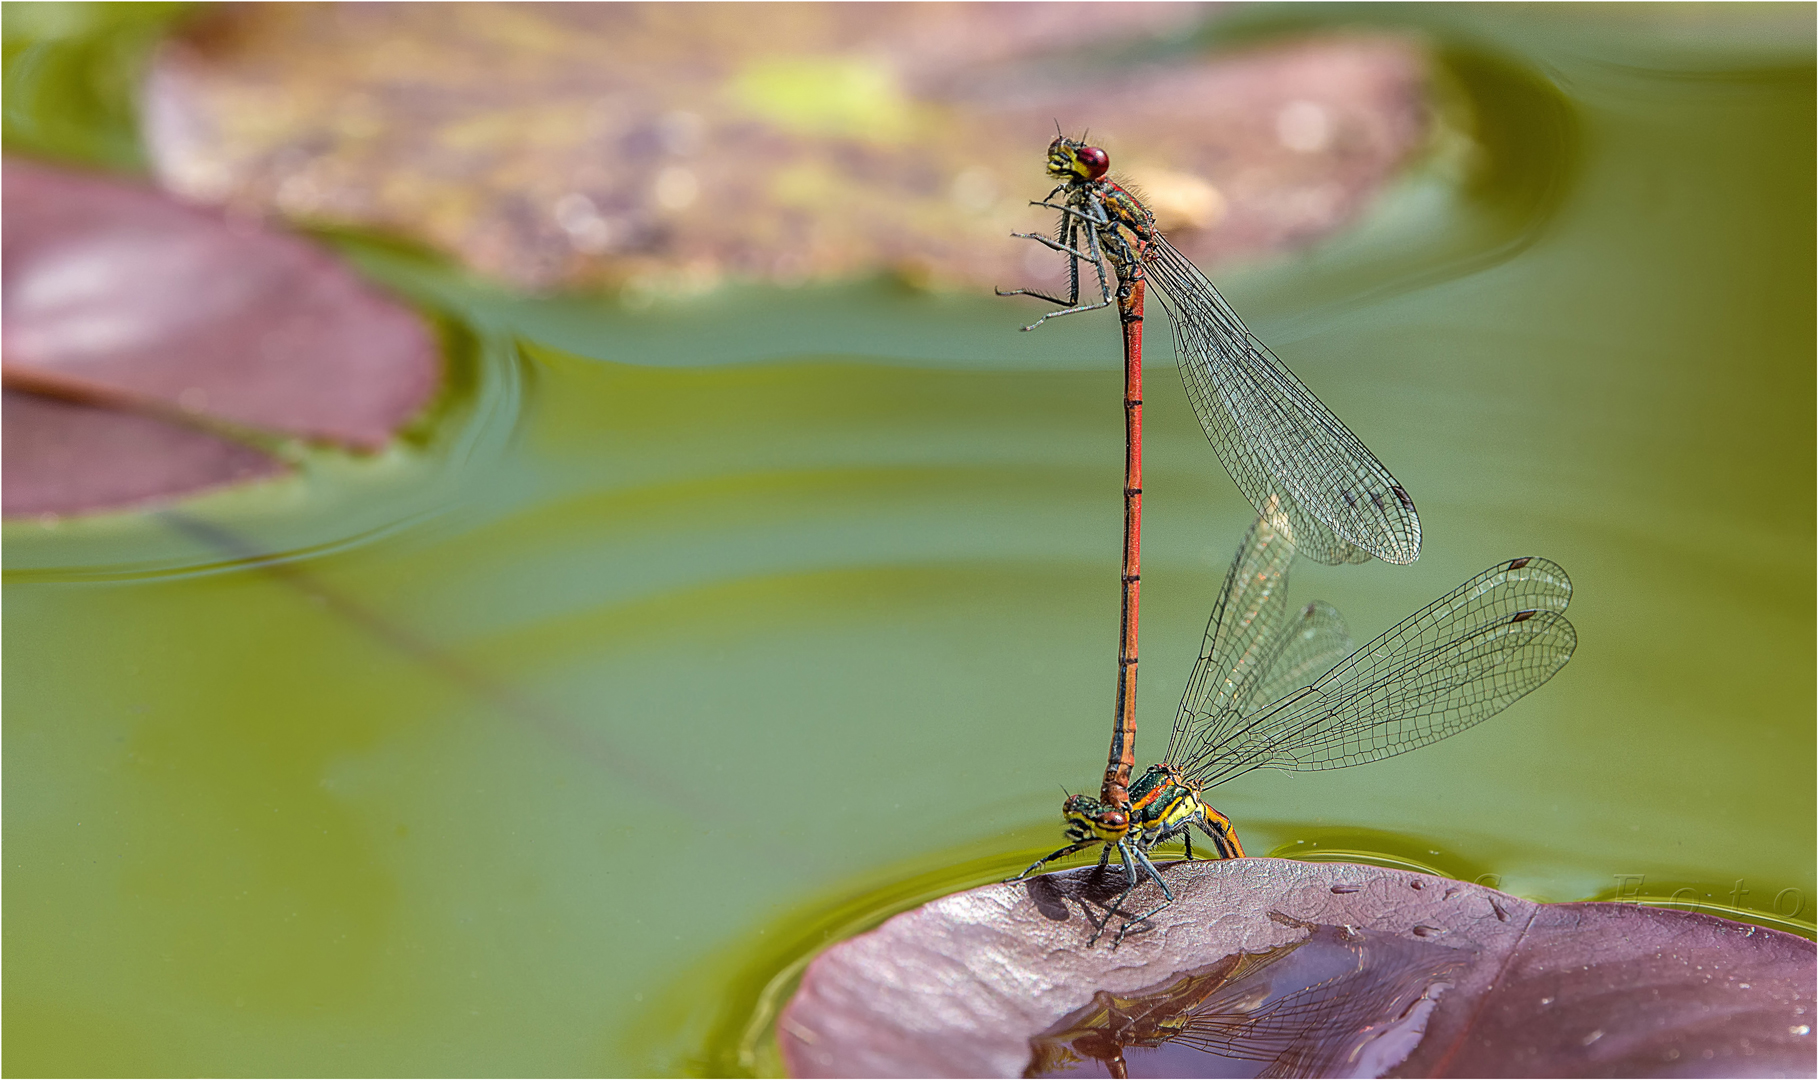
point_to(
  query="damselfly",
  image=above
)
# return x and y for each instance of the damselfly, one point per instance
(1114, 794)
(1297, 697)
(1275, 438)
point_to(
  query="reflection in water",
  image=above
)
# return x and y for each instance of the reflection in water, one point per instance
(1339, 1002)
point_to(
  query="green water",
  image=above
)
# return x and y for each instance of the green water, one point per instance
(679, 639)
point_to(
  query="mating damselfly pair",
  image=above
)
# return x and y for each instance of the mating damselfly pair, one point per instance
(1269, 692)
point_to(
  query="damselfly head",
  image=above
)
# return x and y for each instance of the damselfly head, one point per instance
(1070, 160)
(1089, 819)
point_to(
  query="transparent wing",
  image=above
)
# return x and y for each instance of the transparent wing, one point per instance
(1307, 648)
(1454, 663)
(1274, 436)
(1241, 636)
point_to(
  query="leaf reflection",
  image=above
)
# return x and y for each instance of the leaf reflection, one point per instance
(1338, 1002)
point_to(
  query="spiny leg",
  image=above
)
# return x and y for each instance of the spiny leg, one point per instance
(1095, 256)
(1098, 215)
(1167, 895)
(1066, 242)
(1064, 248)
(1060, 854)
(1179, 832)
(1123, 854)
(1098, 264)
(1102, 233)
(1066, 245)
(1093, 228)
(1132, 855)
(1067, 230)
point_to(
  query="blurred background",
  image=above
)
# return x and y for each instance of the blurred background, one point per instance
(525, 520)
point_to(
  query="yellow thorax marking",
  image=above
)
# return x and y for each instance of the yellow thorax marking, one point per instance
(1182, 806)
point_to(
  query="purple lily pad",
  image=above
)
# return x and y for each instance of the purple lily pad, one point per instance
(62, 457)
(119, 290)
(1278, 968)
(120, 298)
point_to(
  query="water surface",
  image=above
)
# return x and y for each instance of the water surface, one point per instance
(682, 637)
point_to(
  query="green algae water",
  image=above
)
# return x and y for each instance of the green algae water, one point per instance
(680, 641)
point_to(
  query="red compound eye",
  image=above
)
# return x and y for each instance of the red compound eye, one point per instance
(1095, 160)
(1115, 819)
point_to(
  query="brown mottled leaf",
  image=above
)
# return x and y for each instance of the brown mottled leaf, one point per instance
(674, 145)
(118, 294)
(65, 458)
(1273, 967)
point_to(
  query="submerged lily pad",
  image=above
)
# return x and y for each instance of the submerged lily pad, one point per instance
(1279, 968)
(143, 336)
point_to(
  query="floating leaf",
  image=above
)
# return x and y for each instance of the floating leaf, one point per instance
(116, 291)
(1339, 1001)
(1605, 989)
(782, 143)
(141, 315)
(65, 458)
(1279, 968)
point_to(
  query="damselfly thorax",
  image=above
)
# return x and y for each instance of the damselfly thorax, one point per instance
(1166, 805)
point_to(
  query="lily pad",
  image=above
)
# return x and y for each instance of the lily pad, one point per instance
(116, 290)
(1280, 968)
(65, 458)
(671, 147)
(146, 339)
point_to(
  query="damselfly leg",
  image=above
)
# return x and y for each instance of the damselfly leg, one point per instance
(1127, 850)
(1067, 244)
(1060, 854)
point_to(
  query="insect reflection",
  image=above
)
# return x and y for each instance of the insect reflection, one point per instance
(1338, 1002)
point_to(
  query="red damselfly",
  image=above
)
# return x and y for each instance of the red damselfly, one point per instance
(1297, 697)
(1128, 295)
(1277, 441)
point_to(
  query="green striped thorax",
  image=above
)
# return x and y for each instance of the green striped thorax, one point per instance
(1164, 803)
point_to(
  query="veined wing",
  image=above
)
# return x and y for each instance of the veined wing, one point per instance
(1241, 634)
(1274, 436)
(1308, 647)
(1454, 663)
